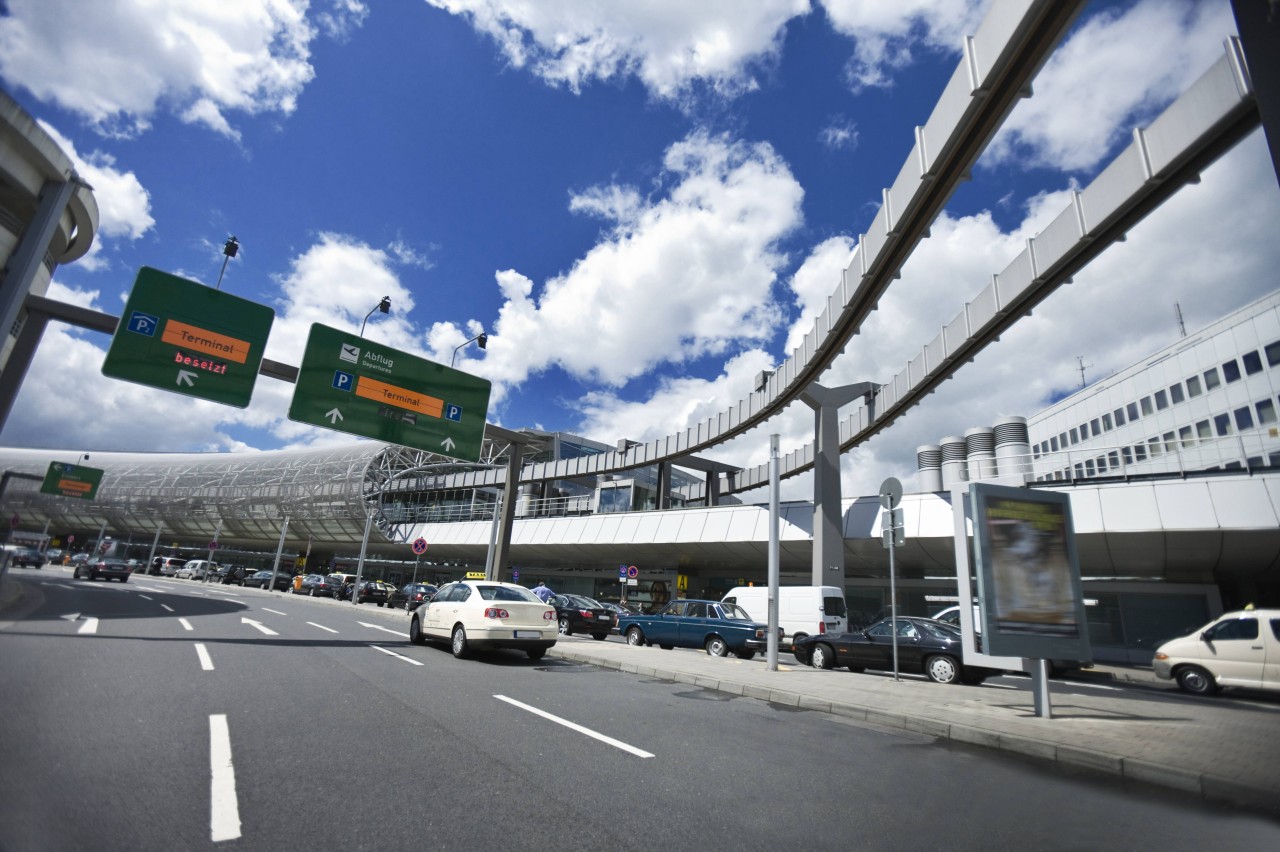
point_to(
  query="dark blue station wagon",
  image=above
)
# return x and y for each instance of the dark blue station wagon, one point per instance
(718, 627)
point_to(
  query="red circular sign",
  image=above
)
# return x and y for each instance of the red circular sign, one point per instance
(419, 546)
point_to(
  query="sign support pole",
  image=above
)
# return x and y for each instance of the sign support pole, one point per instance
(155, 543)
(275, 566)
(364, 545)
(774, 553)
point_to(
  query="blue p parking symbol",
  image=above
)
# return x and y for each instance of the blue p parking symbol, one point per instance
(343, 381)
(453, 412)
(145, 324)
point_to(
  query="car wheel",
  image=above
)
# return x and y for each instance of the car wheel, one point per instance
(796, 638)
(1197, 681)
(823, 657)
(313, 592)
(745, 655)
(942, 669)
(415, 632)
(565, 630)
(124, 579)
(459, 641)
(75, 575)
(536, 653)
(600, 636)
(717, 647)
(857, 669)
(666, 647)
(635, 636)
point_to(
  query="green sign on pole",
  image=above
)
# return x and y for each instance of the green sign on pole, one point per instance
(181, 336)
(72, 480)
(351, 385)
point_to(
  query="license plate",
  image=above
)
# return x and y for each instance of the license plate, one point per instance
(606, 618)
(528, 634)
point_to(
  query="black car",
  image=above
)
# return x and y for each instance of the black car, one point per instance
(925, 647)
(371, 591)
(111, 569)
(28, 556)
(582, 615)
(318, 586)
(262, 580)
(412, 595)
(229, 575)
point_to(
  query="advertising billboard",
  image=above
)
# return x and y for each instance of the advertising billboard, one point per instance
(1028, 574)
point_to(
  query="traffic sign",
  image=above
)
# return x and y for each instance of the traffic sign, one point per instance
(890, 493)
(72, 480)
(349, 384)
(419, 545)
(632, 572)
(622, 573)
(184, 337)
(515, 575)
(213, 545)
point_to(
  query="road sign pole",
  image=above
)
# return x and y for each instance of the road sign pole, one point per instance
(364, 545)
(774, 554)
(275, 566)
(890, 496)
(216, 534)
(155, 543)
(416, 560)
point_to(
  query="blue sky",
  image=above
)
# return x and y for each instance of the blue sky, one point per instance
(640, 202)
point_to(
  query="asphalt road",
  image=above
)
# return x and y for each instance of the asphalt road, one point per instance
(164, 714)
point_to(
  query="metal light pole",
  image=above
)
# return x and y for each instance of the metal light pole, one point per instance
(231, 248)
(773, 554)
(364, 545)
(384, 306)
(275, 566)
(481, 340)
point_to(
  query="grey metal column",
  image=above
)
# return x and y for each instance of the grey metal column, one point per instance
(502, 545)
(664, 485)
(828, 519)
(29, 254)
(275, 566)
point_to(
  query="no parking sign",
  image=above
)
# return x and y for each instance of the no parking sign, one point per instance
(419, 546)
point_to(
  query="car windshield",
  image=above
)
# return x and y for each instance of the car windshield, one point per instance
(583, 602)
(507, 593)
(735, 612)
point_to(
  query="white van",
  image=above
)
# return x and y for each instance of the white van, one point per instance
(1236, 649)
(802, 610)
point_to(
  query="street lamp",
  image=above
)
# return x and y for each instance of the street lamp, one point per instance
(231, 248)
(384, 306)
(481, 339)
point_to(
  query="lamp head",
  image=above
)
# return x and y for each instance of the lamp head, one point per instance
(232, 247)
(482, 340)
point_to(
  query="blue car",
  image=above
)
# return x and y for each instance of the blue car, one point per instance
(718, 627)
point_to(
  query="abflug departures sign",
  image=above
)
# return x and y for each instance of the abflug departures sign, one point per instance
(1028, 574)
(353, 385)
(72, 480)
(181, 336)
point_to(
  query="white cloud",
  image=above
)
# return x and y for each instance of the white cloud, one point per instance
(678, 277)
(124, 205)
(668, 44)
(840, 134)
(887, 33)
(1098, 86)
(115, 63)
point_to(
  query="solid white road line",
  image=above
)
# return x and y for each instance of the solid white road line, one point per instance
(576, 727)
(276, 611)
(384, 629)
(206, 662)
(224, 809)
(90, 625)
(394, 654)
(186, 625)
(322, 627)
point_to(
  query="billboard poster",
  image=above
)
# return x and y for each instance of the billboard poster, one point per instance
(1028, 574)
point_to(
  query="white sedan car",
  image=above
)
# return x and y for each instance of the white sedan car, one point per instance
(475, 614)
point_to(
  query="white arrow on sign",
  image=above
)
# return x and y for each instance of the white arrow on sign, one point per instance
(266, 630)
(447, 443)
(334, 415)
(187, 377)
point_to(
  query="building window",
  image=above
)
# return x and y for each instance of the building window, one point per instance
(1244, 418)
(1187, 436)
(1062, 440)
(1140, 452)
(1203, 430)
(1053, 442)
(1079, 471)
(1146, 406)
(1211, 380)
(1128, 455)
(1101, 461)
(1266, 412)
(1119, 417)
(1273, 353)
(1193, 386)
(1114, 458)
(1252, 362)
(1170, 444)
(1093, 424)
(1084, 431)
(1106, 422)
(1231, 371)
(1175, 393)
(1162, 400)
(1153, 444)
(1222, 423)
(1132, 408)
(1088, 468)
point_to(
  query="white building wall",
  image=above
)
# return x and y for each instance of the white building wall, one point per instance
(1209, 401)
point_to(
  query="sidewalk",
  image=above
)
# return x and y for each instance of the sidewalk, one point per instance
(1218, 750)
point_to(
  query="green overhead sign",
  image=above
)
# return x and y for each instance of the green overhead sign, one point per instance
(351, 385)
(181, 336)
(72, 480)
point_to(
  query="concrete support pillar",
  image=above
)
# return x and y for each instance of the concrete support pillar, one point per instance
(664, 485)
(501, 550)
(828, 515)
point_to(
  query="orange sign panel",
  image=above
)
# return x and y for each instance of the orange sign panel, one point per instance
(208, 342)
(399, 397)
(74, 485)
